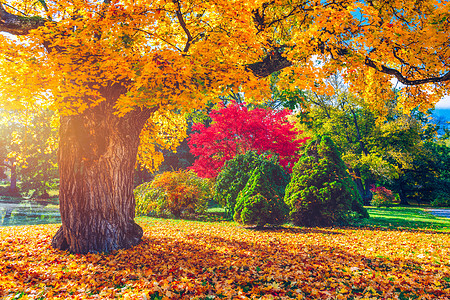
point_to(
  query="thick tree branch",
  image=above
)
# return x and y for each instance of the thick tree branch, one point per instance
(390, 71)
(273, 62)
(183, 25)
(403, 79)
(18, 25)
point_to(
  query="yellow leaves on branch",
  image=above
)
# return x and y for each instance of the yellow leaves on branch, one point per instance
(163, 131)
(171, 54)
(407, 36)
(165, 53)
(160, 59)
(195, 260)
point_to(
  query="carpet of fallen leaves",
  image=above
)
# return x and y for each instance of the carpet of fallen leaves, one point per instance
(195, 260)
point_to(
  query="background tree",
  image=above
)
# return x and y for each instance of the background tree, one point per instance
(7, 155)
(37, 144)
(111, 65)
(321, 191)
(236, 130)
(376, 145)
(29, 143)
(427, 178)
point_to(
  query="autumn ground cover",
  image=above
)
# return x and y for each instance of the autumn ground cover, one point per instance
(213, 260)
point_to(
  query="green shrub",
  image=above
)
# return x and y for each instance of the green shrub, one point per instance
(441, 199)
(173, 193)
(234, 176)
(260, 202)
(382, 197)
(321, 192)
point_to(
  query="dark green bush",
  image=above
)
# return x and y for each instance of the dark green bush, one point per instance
(260, 202)
(234, 176)
(321, 192)
(441, 199)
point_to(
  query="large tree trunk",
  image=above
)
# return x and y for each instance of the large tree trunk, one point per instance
(97, 156)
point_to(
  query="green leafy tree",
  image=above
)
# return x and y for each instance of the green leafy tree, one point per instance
(38, 144)
(376, 145)
(321, 191)
(234, 176)
(427, 179)
(261, 201)
(28, 146)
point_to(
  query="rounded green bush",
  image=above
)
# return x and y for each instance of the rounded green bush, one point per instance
(260, 202)
(321, 192)
(234, 176)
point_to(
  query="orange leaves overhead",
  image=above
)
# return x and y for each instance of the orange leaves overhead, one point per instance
(166, 53)
(194, 260)
(404, 39)
(172, 53)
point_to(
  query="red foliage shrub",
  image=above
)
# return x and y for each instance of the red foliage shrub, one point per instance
(235, 130)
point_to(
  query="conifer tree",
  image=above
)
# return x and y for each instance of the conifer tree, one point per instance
(260, 202)
(321, 191)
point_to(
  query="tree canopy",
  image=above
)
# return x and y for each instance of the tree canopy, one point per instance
(168, 54)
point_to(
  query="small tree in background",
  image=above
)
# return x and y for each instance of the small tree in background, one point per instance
(321, 192)
(261, 201)
(236, 130)
(234, 176)
(382, 197)
(28, 144)
(173, 192)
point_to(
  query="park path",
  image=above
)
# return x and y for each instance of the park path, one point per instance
(443, 212)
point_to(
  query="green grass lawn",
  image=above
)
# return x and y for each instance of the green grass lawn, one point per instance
(405, 218)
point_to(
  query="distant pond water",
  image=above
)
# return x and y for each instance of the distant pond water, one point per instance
(18, 211)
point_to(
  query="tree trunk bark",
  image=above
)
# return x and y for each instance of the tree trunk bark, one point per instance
(97, 156)
(368, 183)
(402, 194)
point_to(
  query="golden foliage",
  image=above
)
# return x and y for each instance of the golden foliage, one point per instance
(170, 53)
(194, 260)
(163, 131)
